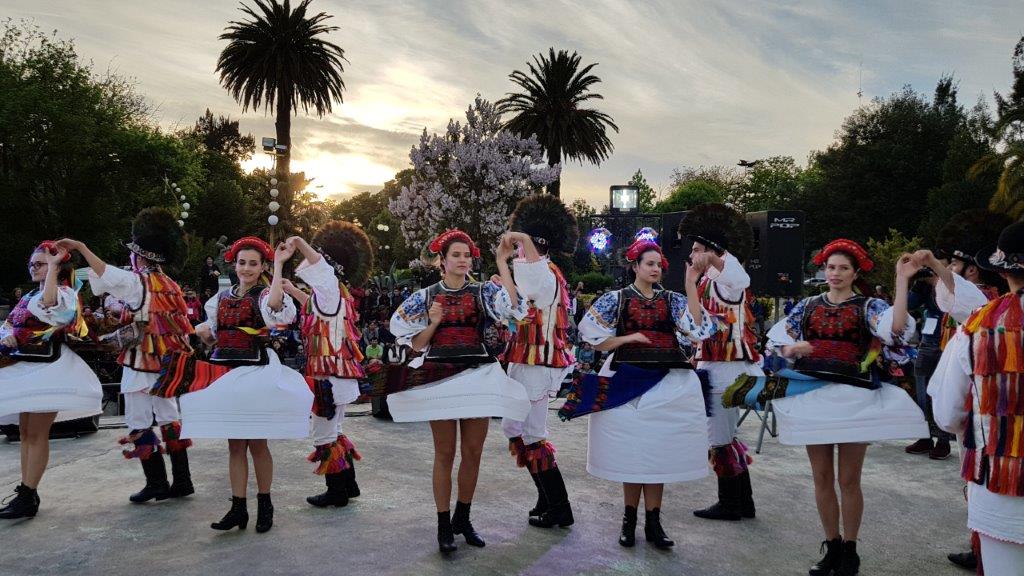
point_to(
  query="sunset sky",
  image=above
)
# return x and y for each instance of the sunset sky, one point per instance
(688, 82)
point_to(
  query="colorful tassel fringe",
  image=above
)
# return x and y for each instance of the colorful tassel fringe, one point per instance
(171, 433)
(145, 444)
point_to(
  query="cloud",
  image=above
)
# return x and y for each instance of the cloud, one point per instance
(688, 82)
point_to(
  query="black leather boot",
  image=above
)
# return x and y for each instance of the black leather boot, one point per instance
(833, 550)
(445, 536)
(559, 512)
(728, 505)
(264, 513)
(747, 509)
(157, 487)
(542, 503)
(238, 516)
(628, 536)
(24, 504)
(653, 531)
(849, 565)
(349, 475)
(335, 495)
(462, 525)
(181, 474)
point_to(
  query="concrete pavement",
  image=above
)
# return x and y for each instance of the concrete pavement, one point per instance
(915, 514)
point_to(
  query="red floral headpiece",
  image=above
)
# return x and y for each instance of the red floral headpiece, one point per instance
(50, 247)
(453, 235)
(850, 247)
(637, 249)
(249, 243)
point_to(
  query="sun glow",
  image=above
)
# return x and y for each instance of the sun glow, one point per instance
(333, 174)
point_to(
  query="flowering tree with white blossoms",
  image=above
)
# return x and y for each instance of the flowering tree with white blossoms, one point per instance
(470, 178)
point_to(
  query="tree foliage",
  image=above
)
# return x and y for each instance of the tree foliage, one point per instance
(470, 177)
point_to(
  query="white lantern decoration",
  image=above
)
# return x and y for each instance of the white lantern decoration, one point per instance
(274, 206)
(273, 181)
(173, 184)
(181, 223)
(272, 220)
(186, 206)
(274, 192)
(182, 197)
(184, 215)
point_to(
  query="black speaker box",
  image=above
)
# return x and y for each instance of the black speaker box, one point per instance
(777, 259)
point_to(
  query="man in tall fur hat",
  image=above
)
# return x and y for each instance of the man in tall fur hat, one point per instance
(722, 239)
(340, 257)
(977, 391)
(540, 353)
(154, 323)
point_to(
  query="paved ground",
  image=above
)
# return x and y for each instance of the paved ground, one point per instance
(915, 515)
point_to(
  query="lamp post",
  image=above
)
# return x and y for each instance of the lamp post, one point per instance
(174, 190)
(273, 206)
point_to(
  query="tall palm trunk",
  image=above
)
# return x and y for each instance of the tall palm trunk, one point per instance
(283, 126)
(554, 157)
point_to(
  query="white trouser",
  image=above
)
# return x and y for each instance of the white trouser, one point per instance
(535, 428)
(140, 407)
(1002, 558)
(325, 431)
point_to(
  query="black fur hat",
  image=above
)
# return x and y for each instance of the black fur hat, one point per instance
(969, 232)
(156, 236)
(720, 228)
(548, 221)
(347, 248)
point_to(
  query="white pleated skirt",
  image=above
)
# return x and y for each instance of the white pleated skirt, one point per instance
(840, 414)
(658, 438)
(66, 386)
(479, 392)
(250, 403)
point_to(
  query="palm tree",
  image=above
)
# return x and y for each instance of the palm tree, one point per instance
(278, 59)
(550, 108)
(1009, 194)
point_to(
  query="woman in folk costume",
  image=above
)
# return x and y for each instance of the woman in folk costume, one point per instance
(243, 393)
(834, 394)
(648, 424)
(977, 393)
(540, 354)
(343, 255)
(722, 238)
(456, 384)
(154, 324)
(41, 379)
(947, 296)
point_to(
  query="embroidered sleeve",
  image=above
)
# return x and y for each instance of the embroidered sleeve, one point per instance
(283, 317)
(536, 281)
(410, 318)
(498, 303)
(598, 323)
(122, 284)
(879, 317)
(320, 277)
(950, 384)
(965, 298)
(61, 313)
(732, 280)
(789, 330)
(687, 324)
(211, 313)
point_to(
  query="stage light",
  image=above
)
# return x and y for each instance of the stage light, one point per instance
(647, 233)
(600, 239)
(624, 198)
